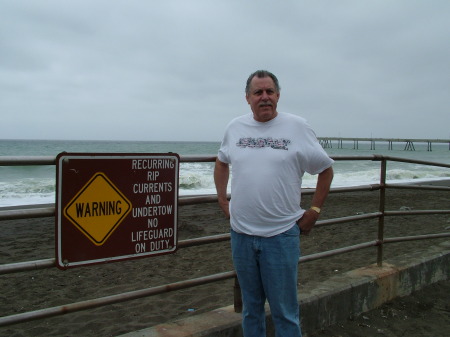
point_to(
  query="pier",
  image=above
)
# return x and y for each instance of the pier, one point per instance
(327, 142)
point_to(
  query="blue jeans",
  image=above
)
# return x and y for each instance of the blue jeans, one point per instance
(267, 269)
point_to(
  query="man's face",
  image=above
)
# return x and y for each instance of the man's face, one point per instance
(263, 98)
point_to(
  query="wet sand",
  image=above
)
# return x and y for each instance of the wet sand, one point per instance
(33, 239)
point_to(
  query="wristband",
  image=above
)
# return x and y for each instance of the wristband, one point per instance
(315, 209)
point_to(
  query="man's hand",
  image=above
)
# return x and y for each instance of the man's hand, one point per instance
(307, 221)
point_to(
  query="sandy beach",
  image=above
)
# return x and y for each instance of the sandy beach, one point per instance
(33, 239)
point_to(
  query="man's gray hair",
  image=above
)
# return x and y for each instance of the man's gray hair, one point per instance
(262, 74)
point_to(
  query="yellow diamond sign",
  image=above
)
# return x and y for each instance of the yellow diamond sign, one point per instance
(98, 209)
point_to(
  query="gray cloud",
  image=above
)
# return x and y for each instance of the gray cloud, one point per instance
(176, 70)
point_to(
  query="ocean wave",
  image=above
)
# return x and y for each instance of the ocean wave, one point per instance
(372, 176)
(27, 191)
(196, 176)
(415, 174)
(193, 181)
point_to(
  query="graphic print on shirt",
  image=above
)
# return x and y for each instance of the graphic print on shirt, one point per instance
(277, 144)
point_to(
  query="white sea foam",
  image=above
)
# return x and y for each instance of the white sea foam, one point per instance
(27, 191)
(198, 179)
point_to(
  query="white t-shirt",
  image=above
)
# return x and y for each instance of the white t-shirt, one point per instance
(268, 161)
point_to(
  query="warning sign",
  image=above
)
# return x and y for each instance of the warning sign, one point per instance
(98, 209)
(115, 207)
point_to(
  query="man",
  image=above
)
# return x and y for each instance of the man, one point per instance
(269, 153)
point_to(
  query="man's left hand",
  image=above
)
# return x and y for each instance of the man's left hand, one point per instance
(307, 221)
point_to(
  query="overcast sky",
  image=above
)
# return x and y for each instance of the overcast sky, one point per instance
(176, 70)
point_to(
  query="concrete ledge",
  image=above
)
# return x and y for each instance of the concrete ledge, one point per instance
(334, 300)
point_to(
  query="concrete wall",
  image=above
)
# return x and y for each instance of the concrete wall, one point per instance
(334, 300)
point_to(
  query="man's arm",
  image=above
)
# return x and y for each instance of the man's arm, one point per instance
(221, 176)
(310, 217)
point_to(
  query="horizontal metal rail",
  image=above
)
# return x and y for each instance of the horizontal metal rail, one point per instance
(348, 219)
(415, 161)
(204, 240)
(51, 160)
(372, 187)
(197, 159)
(26, 266)
(372, 157)
(27, 213)
(417, 187)
(49, 263)
(128, 296)
(338, 251)
(417, 237)
(35, 211)
(27, 160)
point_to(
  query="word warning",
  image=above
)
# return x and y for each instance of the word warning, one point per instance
(115, 207)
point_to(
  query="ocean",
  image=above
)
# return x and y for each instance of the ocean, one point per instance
(27, 185)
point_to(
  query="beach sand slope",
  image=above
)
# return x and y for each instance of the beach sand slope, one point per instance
(33, 239)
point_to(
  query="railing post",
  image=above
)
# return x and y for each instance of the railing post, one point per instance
(381, 209)
(237, 296)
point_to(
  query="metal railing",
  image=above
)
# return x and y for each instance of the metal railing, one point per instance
(380, 214)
